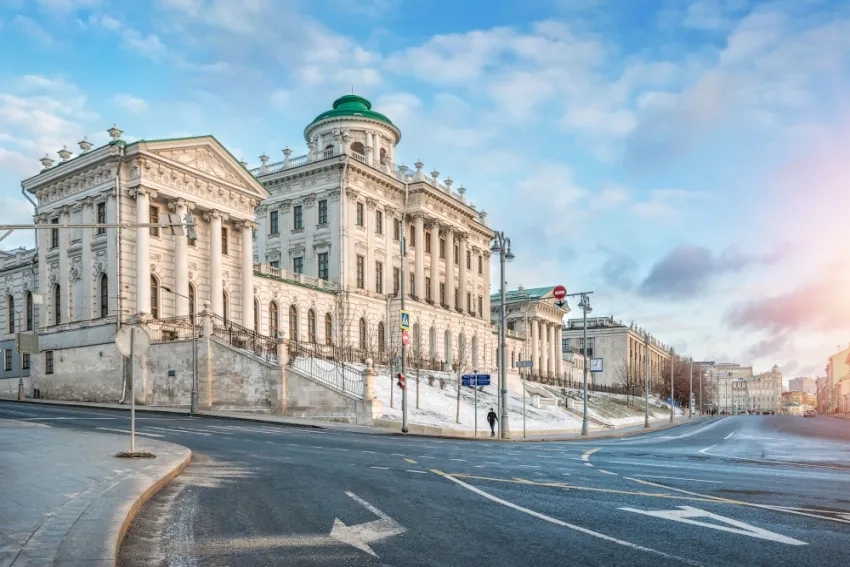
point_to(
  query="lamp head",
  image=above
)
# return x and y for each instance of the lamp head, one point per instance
(495, 248)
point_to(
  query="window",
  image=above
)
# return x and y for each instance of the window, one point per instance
(396, 281)
(457, 254)
(7, 360)
(329, 329)
(225, 306)
(480, 306)
(10, 313)
(273, 319)
(298, 265)
(224, 241)
(154, 218)
(412, 284)
(359, 217)
(25, 361)
(428, 289)
(469, 302)
(48, 362)
(381, 336)
(357, 147)
(361, 272)
(154, 298)
(379, 277)
(275, 263)
(396, 230)
(29, 316)
(323, 265)
(54, 234)
(274, 223)
(323, 211)
(101, 218)
(57, 305)
(297, 217)
(442, 293)
(468, 260)
(192, 300)
(362, 328)
(412, 241)
(443, 248)
(293, 323)
(480, 264)
(457, 298)
(427, 242)
(379, 222)
(311, 326)
(104, 296)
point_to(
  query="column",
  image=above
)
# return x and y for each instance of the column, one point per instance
(370, 244)
(143, 253)
(181, 266)
(486, 277)
(248, 275)
(263, 231)
(215, 263)
(552, 359)
(43, 237)
(376, 155)
(64, 266)
(419, 236)
(559, 351)
(535, 363)
(435, 263)
(86, 264)
(113, 263)
(450, 267)
(462, 239)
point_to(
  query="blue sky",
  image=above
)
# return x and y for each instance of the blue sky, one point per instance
(684, 159)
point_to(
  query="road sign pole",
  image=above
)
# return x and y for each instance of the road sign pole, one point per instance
(132, 392)
(523, 405)
(475, 375)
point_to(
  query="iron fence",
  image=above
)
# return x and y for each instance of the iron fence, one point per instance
(336, 374)
(246, 339)
(563, 382)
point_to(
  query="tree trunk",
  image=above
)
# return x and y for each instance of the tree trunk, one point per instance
(457, 414)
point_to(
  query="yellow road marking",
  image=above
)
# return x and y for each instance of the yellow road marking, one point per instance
(411, 461)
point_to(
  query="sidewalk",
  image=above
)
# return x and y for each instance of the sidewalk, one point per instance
(67, 500)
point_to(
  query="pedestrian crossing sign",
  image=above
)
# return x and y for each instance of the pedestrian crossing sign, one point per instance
(405, 320)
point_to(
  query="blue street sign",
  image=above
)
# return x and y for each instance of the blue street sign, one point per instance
(469, 380)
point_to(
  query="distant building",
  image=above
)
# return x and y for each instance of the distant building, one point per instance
(754, 394)
(623, 349)
(803, 384)
(796, 402)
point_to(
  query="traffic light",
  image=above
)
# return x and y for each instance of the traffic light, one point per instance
(400, 380)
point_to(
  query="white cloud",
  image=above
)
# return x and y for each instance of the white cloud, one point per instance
(400, 107)
(132, 104)
(666, 204)
(712, 14)
(148, 44)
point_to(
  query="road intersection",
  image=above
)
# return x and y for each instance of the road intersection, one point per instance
(733, 491)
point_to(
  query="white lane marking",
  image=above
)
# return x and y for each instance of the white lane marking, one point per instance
(529, 466)
(566, 474)
(13, 411)
(127, 431)
(607, 472)
(769, 461)
(685, 514)
(417, 472)
(373, 452)
(66, 418)
(459, 460)
(179, 430)
(361, 535)
(588, 464)
(426, 457)
(676, 478)
(382, 468)
(729, 436)
(396, 455)
(705, 451)
(558, 522)
(586, 456)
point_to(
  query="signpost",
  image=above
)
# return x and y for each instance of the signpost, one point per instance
(404, 321)
(560, 292)
(132, 342)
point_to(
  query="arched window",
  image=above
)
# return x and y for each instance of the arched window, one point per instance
(30, 320)
(358, 147)
(416, 343)
(256, 315)
(447, 351)
(192, 308)
(381, 337)
(461, 349)
(329, 329)
(10, 313)
(432, 343)
(329, 147)
(225, 308)
(104, 295)
(57, 305)
(362, 327)
(293, 323)
(273, 319)
(383, 153)
(311, 326)
(154, 298)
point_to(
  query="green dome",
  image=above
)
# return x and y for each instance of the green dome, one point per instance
(352, 105)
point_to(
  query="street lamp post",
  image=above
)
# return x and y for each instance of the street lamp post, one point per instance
(584, 303)
(193, 400)
(502, 246)
(402, 243)
(691, 398)
(646, 380)
(672, 398)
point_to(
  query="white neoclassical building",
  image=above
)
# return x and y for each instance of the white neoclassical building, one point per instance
(306, 250)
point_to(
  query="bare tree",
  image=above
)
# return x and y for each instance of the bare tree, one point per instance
(416, 353)
(629, 378)
(462, 361)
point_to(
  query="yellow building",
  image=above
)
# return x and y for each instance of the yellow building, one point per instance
(838, 381)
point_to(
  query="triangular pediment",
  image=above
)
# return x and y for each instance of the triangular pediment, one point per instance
(207, 155)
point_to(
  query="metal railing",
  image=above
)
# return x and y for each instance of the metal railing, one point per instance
(246, 339)
(173, 329)
(335, 374)
(266, 269)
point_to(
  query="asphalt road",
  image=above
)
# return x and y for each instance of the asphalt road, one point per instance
(743, 490)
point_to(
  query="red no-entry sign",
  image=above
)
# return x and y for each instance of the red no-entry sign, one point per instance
(560, 292)
(405, 338)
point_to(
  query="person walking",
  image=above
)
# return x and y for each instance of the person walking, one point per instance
(492, 419)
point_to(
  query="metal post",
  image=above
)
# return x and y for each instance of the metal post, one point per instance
(505, 429)
(21, 392)
(701, 408)
(132, 391)
(691, 398)
(646, 379)
(584, 349)
(193, 402)
(672, 398)
(403, 250)
(523, 406)
(475, 377)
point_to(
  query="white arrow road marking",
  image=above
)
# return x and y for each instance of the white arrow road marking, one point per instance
(361, 535)
(685, 514)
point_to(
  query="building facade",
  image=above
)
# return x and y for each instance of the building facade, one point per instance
(307, 249)
(737, 393)
(803, 384)
(624, 350)
(838, 382)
